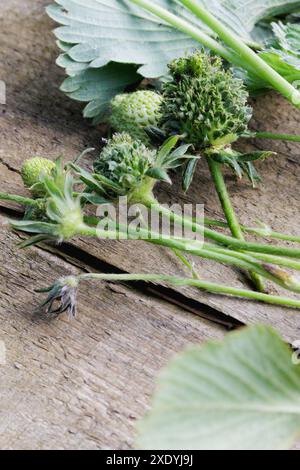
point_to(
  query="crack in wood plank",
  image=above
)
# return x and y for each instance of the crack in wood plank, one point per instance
(98, 372)
(80, 258)
(83, 383)
(36, 124)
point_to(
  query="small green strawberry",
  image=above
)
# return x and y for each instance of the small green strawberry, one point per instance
(133, 112)
(32, 172)
(125, 162)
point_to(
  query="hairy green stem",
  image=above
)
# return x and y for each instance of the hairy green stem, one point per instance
(265, 232)
(271, 135)
(25, 201)
(272, 234)
(226, 240)
(249, 264)
(138, 196)
(230, 215)
(186, 262)
(281, 278)
(269, 259)
(250, 58)
(200, 284)
(219, 182)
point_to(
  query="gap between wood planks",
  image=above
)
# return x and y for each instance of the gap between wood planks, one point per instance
(142, 257)
(80, 384)
(40, 120)
(80, 258)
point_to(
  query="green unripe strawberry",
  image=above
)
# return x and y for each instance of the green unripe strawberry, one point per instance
(133, 112)
(125, 161)
(204, 102)
(32, 172)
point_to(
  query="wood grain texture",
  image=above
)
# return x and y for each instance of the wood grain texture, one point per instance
(67, 384)
(38, 119)
(82, 384)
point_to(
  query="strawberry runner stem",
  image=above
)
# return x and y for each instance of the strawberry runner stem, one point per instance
(251, 256)
(25, 201)
(219, 182)
(269, 259)
(264, 231)
(271, 135)
(281, 278)
(188, 265)
(226, 240)
(70, 222)
(200, 284)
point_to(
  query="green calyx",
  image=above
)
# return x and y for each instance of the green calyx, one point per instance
(37, 211)
(71, 221)
(133, 112)
(127, 167)
(125, 163)
(61, 216)
(63, 206)
(33, 171)
(204, 103)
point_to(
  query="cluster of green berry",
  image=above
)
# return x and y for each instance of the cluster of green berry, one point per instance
(201, 110)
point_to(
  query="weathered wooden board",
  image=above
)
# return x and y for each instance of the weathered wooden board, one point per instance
(81, 383)
(38, 119)
(97, 372)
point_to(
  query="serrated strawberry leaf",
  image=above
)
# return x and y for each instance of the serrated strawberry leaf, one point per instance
(108, 45)
(238, 394)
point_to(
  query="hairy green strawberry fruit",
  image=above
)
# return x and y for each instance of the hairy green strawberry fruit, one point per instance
(133, 112)
(204, 103)
(125, 162)
(33, 170)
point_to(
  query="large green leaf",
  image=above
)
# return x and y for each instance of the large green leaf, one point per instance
(242, 393)
(100, 31)
(95, 33)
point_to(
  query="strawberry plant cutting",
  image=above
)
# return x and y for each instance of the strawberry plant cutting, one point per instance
(202, 61)
(206, 108)
(123, 169)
